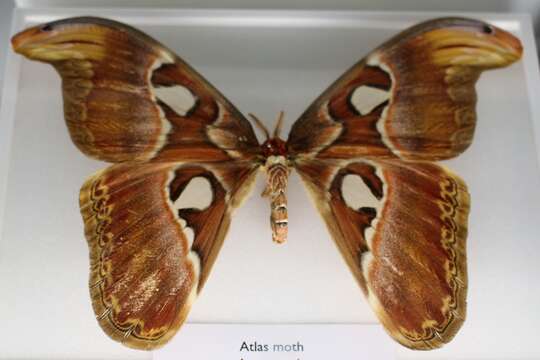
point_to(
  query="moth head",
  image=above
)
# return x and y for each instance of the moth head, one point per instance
(68, 39)
(274, 145)
(468, 42)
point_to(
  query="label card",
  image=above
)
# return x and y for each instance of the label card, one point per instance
(278, 342)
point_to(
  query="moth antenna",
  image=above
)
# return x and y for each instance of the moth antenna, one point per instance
(260, 125)
(279, 124)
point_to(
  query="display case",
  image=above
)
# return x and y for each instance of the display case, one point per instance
(264, 62)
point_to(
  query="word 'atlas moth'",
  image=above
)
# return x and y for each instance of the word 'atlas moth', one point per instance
(184, 158)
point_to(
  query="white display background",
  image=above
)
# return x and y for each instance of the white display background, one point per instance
(264, 62)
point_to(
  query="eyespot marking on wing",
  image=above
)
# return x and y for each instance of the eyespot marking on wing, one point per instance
(197, 194)
(357, 194)
(361, 186)
(365, 98)
(375, 60)
(177, 97)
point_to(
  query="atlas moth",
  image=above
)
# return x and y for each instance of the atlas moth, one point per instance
(184, 158)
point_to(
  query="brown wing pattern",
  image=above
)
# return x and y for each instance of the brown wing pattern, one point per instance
(401, 228)
(412, 98)
(401, 224)
(154, 231)
(127, 97)
(130, 100)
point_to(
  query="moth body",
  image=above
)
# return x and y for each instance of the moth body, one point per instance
(277, 169)
(277, 172)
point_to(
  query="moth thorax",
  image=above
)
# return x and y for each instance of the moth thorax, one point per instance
(277, 173)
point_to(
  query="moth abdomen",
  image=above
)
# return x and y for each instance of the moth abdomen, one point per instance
(277, 172)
